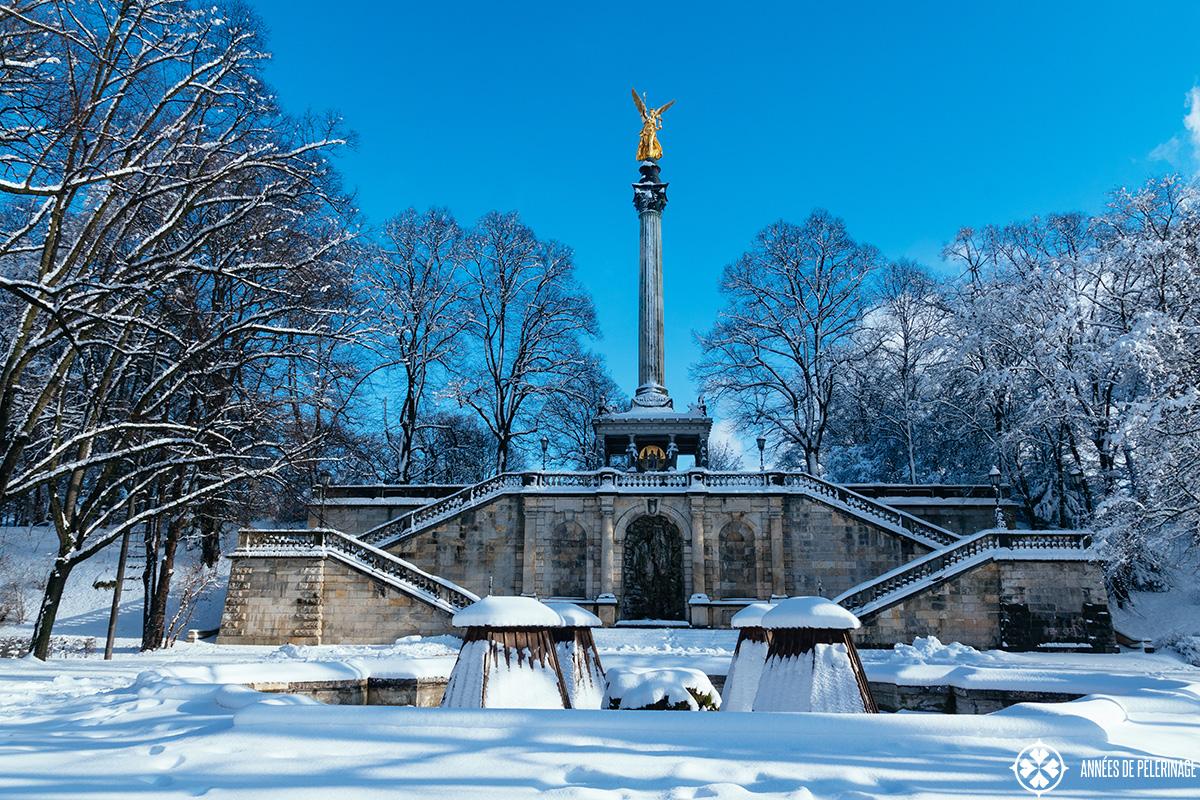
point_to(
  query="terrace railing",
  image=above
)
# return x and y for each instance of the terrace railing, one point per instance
(421, 519)
(865, 506)
(439, 510)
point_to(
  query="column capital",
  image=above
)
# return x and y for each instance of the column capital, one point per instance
(649, 197)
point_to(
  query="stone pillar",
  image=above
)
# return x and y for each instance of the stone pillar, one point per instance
(606, 545)
(698, 609)
(650, 198)
(699, 585)
(778, 564)
(533, 522)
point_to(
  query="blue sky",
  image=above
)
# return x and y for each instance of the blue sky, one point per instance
(906, 120)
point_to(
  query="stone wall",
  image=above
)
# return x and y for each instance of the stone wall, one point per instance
(828, 551)
(273, 601)
(1061, 602)
(755, 545)
(481, 549)
(1013, 605)
(964, 609)
(955, 699)
(313, 601)
(560, 554)
(359, 609)
(355, 518)
(565, 564)
(964, 518)
(737, 562)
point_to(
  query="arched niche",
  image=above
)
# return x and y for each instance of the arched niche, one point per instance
(653, 570)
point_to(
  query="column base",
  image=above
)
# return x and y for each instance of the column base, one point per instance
(652, 395)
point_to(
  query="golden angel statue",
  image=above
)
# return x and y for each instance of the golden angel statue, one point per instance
(648, 146)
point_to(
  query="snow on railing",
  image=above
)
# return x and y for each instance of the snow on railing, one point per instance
(439, 510)
(868, 507)
(412, 523)
(320, 542)
(652, 480)
(892, 587)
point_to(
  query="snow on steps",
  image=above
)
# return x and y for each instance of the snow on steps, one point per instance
(877, 594)
(697, 480)
(358, 555)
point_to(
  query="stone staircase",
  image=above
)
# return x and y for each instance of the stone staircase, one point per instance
(856, 505)
(873, 596)
(306, 586)
(358, 555)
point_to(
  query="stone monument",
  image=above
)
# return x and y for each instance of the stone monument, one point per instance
(636, 541)
(650, 436)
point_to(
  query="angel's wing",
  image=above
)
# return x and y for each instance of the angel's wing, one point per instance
(641, 106)
(664, 108)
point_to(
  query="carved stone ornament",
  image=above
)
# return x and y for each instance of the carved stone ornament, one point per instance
(652, 400)
(649, 197)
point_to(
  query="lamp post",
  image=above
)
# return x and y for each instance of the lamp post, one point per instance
(545, 447)
(994, 478)
(1075, 476)
(761, 441)
(324, 477)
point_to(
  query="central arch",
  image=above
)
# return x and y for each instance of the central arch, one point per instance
(653, 570)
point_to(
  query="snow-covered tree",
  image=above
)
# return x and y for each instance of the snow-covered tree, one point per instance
(158, 244)
(567, 415)
(1032, 373)
(1150, 249)
(526, 317)
(786, 337)
(886, 414)
(418, 295)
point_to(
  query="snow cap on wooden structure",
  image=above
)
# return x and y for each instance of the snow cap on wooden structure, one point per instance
(749, 656)
(750, 616)
(508, 658)
(507, 612)
(577, 655)
(574, 616)
(809, 612)
(811, 662)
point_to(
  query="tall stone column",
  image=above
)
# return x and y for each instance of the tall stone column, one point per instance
(650, 198)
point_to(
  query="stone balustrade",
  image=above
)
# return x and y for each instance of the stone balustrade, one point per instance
(412, 523)
(322, 542)
(896, 585)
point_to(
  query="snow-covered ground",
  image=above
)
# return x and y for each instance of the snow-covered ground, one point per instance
(176, 723)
